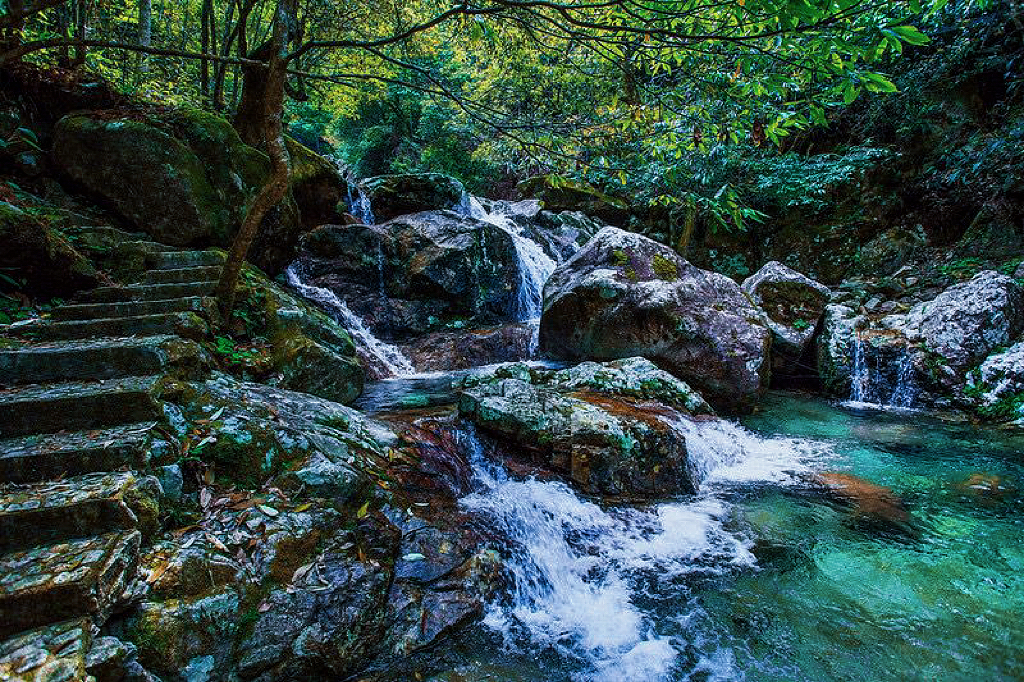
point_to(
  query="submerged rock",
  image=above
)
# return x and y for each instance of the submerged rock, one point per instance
(794, 305)
(611, 429)
(626, 295)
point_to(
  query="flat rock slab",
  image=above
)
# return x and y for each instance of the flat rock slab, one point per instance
(202, 273)
(78, 406)
(184, 259)
(51, 362)
(66, 580)
(54, 653)
(118, 309)
(183, 324)
(47, 456)
(76, 507)
(149, 292)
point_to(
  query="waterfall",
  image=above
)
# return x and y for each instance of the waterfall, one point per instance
(578, 573)
(359, 204)
(534, 264)
(384, 358)
(882, 376)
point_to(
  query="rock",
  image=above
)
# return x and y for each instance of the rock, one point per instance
(575, 196)
(109, 658)
(625, 295)
(890, 250)
(835, 347)
(54, 652)
(997, 386)
(451, 350)
(564, 233)
(595, 424)
(183, 176)
(794, 305)
(870, 501)
(311, 352)
(45, 260)
(317, 186)
(397, 195)
(967, 322)
(258, 432)
(417, 273)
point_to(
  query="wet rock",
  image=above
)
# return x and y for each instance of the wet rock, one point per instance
(257, 432)
(109, 658)
(55, 652)
(595, 425)
(967, 322)
(417, 273)
(794, 304)
(45, 260)
(835, 347)
(451, 350)
(870, 500)
(625, 295)
(395, 195)
(997, 386)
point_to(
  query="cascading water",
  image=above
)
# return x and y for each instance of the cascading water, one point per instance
(578, 573)
(359, 204)
(535, 265)
(384, 358)
(882, 376)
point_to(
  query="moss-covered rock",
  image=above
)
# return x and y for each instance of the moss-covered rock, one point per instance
(395, 195)
(49, 265)
(575, 196)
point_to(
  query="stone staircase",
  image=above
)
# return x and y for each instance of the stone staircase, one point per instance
(80, 418)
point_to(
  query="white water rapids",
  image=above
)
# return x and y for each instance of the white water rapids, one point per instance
(577, 570)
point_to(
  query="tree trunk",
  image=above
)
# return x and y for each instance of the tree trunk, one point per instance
(81, 25)
(270, 127)
(205, 29)
(689, 223)
(250, 113)
(145, 32)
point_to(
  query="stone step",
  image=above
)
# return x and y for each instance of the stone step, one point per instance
(95, 311)
(58, 582)
(54, 652)
(56, 361)
(48, 456)
(148, 292)
(172, 260)
(82, 506)
(79, 406)
(187, 325)
(204, 273)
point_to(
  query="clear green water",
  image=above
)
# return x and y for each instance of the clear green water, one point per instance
(923, 582)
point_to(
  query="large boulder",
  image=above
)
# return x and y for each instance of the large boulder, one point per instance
(611, 429)
(835, 347)
(417, 273)
(997, 386)
(794, 304)
(395, 195)
(965, 323)
(625, 295)
(185, 177)
(40, 257)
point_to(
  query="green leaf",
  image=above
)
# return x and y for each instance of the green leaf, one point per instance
(876, 82)
(363, 510)
(910, 35)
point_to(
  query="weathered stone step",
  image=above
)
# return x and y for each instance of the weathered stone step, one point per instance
(148, 292)
(187, 325)
(205, 273)
(78, 406)
(184, 259)
(47, 456)
(65, 580)
(118, 309)
(82, 506)
(54, 652)
(55, 361)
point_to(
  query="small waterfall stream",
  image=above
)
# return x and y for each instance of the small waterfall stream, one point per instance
(384, 358)
(882, 376)
(577, 572)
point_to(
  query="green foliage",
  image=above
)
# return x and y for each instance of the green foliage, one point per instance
(664, 268)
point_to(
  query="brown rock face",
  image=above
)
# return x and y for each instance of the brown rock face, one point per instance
(625, 295)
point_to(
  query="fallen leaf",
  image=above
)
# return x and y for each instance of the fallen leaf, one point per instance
(269, 511)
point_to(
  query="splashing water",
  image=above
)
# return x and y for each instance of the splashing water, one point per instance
(382, 358)
(359, 204)
(535, 265)
(578, 571)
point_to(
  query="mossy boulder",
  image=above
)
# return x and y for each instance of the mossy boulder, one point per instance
(46, 261)
(184, 177)
(794, 305)
(618, 298)
(396, 195)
